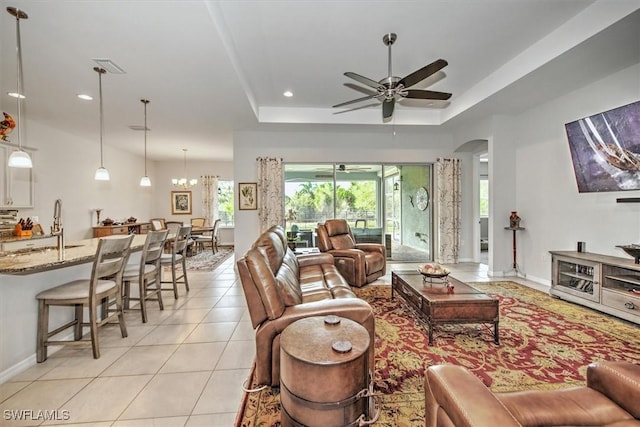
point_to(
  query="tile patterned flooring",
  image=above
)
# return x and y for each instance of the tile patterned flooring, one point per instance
(184, 368)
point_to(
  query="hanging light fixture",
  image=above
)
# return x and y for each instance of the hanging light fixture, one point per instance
(19, 158)
(145, 181)
(184, 182)
(102, 174)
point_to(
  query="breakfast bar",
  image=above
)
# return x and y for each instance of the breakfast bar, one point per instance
(23, 274)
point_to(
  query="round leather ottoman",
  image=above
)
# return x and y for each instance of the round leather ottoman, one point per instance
(324, 372)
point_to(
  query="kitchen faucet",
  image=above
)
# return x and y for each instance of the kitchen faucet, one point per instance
(57, 229)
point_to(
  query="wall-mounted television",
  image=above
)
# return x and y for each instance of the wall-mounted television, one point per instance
(605, 150)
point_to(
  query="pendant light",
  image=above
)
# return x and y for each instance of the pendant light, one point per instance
(19, 158)
(145, 181)
(184, 182)
(102, 174)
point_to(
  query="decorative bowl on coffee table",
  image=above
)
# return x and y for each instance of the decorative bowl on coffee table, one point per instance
(440, 275)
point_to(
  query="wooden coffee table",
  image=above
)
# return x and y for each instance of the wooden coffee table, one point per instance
(440, 303)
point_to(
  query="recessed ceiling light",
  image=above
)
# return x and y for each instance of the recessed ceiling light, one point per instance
(85, 97)
(16, 95)
(288, 94)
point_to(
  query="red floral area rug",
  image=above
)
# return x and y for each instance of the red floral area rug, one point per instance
(544, 343)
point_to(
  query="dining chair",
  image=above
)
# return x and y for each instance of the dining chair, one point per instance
(177, 260)
(198, 222)
(104, 285)
(211, 239)
(158, 224)
(146, 272)
(173, 226)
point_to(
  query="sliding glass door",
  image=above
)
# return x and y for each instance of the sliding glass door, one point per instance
(377, 200)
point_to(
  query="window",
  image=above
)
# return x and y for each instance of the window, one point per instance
(225, 203)
(484, 197)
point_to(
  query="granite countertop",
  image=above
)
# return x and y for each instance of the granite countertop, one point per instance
(44, 259)
(12, 238)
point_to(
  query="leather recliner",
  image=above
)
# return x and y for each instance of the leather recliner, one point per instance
(281, 288)
(456, 397)
(359, 263)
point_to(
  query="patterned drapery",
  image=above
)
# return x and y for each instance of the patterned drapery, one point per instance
(270, 178)
(209, 198)
(448, 210)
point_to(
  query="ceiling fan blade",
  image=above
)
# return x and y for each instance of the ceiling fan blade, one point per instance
(423, 73)
(427, 94)
(387, 108)
(364, 80)
(353, 101)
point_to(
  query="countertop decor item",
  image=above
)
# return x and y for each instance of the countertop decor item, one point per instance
(6, 126)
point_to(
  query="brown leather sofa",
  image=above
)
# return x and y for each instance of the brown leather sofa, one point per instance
(281, 288)
(611, 397)
(359, 263)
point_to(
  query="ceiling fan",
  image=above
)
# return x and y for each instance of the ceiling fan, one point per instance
(346, 168)
(392, 88)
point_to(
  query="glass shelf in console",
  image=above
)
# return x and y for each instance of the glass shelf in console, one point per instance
(579, 279)
(621, 279)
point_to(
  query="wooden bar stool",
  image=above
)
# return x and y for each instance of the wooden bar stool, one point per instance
(147, 272)
(105, 283)
(177, 259)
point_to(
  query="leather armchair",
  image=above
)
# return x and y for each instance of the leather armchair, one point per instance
(358, 263)
(456, 397)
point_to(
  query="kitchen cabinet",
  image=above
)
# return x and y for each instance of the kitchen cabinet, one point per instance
(604, 283)
(16, 188)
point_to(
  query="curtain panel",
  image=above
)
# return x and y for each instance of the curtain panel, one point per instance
(209, 198)
(448, 210)
(270, 176)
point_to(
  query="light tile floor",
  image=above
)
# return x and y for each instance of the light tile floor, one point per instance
(185, 367)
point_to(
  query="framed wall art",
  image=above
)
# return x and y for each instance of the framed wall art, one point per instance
(181, 203)
(247, 196)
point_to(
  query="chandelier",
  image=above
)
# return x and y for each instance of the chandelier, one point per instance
(184, 182)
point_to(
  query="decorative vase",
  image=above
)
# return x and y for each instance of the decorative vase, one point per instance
(514, 220)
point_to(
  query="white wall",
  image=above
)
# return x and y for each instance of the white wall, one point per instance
(327, 145)
(64, 166)
(555, 214)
